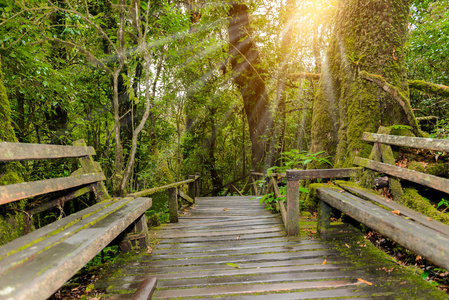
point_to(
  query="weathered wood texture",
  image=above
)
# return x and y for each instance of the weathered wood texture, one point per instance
(36, 268)
(173, 204)
(293, 212)
(21, 151)
(420, 239)
(146, 289)
(435, 182)
(239, 264)
(293, 175)
(404, 211)
(151, 191)
(407, 141)
(14, 192)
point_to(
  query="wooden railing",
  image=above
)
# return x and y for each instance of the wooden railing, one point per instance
(174, 191)
(290, 211)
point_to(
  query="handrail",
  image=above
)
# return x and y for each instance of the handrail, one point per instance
(173, 193)
(151, 191)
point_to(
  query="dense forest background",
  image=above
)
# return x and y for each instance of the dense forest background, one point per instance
(163, 89)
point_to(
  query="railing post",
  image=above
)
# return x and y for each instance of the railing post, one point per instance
(292, 203)
(192, 187)
(324, 216)
(173, 204)
(253, 183)
(197, 184)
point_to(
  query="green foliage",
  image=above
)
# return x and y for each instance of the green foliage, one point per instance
(296, 159)
(441, 130)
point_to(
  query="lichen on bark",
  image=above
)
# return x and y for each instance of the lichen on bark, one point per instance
(369, 36)
(12, 222)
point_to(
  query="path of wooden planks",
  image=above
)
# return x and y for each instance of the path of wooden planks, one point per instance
(230, 247)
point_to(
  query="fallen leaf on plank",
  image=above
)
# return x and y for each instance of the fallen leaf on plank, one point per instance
(396, 212)
(325, 261)
(225, 209)
(233, 265)
(364, 281)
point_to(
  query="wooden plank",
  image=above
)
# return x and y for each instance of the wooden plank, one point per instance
(45, 273)
(422, 240)
(249, 289)
(263, 278)
(239, 272)
(243, 231)
(61, 200)
(247, 251)
(185, 197)
(151, 191)
(257, 265)
(243, 258)
(216, 247)
(49, 230)
(407, 141)
(14, 192)
(405, 211)
(25, 252)
(146, 289)
(22, 151)
(435, 182)
(293, 212)
(283, 213)
(222, 238)
(293, 175)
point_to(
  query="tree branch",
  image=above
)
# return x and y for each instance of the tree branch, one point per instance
(403, 101)
(428, 87)
(90, 57)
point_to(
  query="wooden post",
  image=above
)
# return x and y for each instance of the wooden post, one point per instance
(173, 204)
(324, 216)
(253, 184)
(197, 184)
(88, 165)
(292, 204)
(192, 188)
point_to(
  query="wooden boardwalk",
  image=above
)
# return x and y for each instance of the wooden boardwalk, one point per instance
(232, 248)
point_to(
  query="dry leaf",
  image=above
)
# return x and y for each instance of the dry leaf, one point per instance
(225, 209)
(238, 237)
(150, 250)
(347, 246)
(430, 219)
(396, 212)
(364, 281)
(192, 207)
(418, 258)
(325, 261)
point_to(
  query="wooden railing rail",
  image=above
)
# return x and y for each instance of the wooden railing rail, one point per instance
(293, 194)
(174, 191)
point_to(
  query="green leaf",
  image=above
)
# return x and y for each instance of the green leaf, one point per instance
(233, 265)
(425, 274)
(303, 190)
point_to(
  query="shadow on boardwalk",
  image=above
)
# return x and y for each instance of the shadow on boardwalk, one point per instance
(230, 247)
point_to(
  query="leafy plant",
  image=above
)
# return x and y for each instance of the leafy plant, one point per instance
(441, 130)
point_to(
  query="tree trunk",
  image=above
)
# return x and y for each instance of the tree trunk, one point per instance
(249, 77)
(369, 36)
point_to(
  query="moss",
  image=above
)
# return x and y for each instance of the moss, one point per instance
(440, 169)
(311, 202)
(414, 200)
(416, 166)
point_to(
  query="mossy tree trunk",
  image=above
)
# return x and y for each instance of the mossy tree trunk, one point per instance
(13, 222)
(249, 76)
(369, 36)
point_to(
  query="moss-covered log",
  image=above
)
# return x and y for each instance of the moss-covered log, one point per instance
(369, 36)
(431, 88)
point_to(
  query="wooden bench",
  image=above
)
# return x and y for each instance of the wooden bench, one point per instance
(35, 265)
(415, 231)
